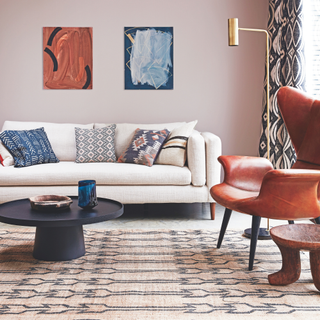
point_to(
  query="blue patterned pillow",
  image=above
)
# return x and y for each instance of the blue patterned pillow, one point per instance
(28, 147)
(144, 147)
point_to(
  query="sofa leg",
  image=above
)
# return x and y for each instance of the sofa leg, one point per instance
(213, 210)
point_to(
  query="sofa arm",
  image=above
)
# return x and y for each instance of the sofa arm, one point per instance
(213, 167)
(196, 159)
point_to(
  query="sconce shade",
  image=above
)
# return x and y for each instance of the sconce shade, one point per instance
(233, 32)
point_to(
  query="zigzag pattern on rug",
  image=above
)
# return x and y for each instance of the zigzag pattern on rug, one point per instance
(150, 274)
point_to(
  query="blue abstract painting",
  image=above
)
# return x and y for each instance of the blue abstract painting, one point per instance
(148, 58)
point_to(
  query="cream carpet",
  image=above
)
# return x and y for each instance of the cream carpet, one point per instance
(151, 274)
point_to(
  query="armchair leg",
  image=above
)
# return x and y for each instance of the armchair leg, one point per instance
(225, 221)
(213, 210)
(254, 238)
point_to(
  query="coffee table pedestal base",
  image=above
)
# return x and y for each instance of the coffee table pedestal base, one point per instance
(58, 243)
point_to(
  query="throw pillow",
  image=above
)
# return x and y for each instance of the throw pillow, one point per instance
(174, 150)
(95, 145)
(125, 132)
(28, 147)
(60, 135)
(144, 147)
(6, 159)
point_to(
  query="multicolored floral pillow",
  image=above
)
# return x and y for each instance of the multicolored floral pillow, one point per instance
(144, 147)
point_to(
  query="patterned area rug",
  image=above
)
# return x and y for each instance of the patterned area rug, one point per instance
(151, 274)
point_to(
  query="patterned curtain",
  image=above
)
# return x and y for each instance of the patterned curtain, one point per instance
(287, 68)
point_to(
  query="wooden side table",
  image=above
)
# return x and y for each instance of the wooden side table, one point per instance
(291, 239)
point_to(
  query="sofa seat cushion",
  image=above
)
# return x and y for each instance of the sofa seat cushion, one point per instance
(69, 173)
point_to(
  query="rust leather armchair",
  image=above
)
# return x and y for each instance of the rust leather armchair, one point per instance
(252, 186)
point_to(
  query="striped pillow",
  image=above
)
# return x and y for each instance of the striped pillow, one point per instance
(174, 150)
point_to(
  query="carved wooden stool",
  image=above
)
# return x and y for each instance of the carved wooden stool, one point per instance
(291, 239)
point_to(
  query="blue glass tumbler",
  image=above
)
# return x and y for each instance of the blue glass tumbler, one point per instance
(87, 196)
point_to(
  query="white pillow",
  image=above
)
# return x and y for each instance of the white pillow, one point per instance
(6, 159)
(174, 150)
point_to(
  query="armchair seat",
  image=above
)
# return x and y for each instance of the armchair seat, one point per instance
(225, 195)
(284, 194)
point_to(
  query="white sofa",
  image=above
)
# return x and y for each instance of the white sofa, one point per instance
(124, 182)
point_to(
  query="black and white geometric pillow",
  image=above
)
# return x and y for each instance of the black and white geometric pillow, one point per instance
(95, 145)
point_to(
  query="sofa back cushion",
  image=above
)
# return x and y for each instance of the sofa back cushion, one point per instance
(60, 135)
(126, 131)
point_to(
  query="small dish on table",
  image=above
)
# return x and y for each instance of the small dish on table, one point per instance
(50, 203)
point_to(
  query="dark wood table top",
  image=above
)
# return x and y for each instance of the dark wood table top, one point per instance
(299, 236)
(19, 212)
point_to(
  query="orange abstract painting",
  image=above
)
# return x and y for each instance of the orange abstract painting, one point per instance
(67, 58)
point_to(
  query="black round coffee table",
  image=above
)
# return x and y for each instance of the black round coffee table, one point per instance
(59, 234)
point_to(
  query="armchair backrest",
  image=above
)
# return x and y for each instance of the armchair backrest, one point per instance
(301, 114)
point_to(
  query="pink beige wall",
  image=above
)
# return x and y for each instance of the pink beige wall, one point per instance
(220, 86)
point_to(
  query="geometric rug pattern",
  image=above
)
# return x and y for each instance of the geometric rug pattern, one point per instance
(151, 274)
